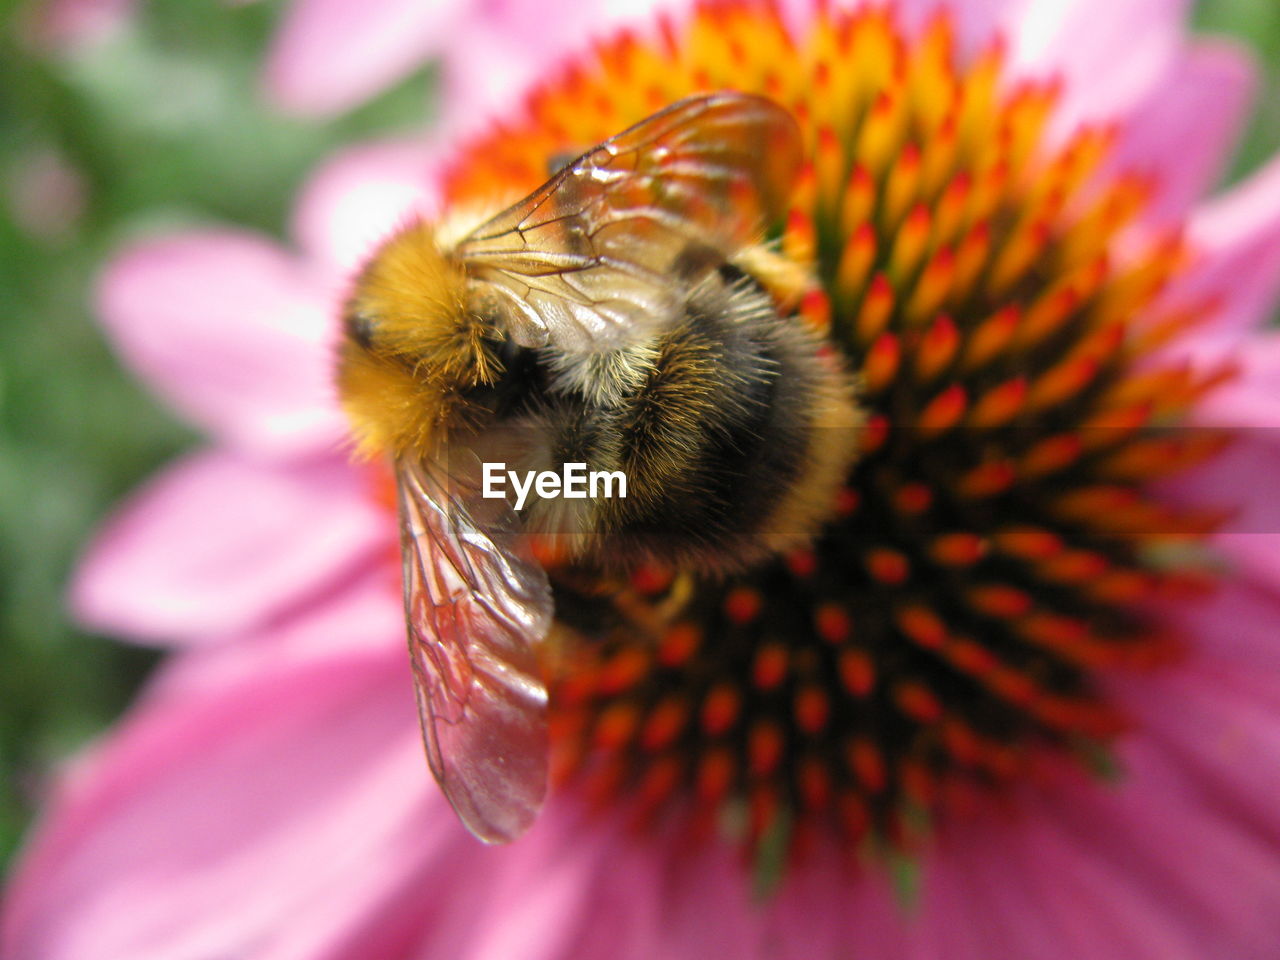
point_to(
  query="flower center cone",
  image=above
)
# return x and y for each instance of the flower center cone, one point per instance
(998, 546)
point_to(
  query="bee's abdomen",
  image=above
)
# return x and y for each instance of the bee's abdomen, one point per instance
(733, 442)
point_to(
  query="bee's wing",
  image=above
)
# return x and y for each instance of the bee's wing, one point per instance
(476, 611)
(598, 253)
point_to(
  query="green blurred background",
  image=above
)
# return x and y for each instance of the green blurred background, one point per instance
(76, 434)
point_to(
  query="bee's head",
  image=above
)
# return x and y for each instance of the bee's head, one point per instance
(408, 292)
(412, 346)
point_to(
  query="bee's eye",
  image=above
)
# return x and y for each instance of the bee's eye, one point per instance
(359, 327)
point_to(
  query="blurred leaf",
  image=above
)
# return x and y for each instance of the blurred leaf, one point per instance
(171, 114)
(166, 117)
(1257, 24)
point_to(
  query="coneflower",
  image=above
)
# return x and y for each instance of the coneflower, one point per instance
(998, 544)
(1018, 699)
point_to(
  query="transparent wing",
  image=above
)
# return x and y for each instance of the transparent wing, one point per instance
(602, 250)
(476, 611)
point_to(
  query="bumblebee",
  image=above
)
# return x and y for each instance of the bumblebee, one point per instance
(625, 317)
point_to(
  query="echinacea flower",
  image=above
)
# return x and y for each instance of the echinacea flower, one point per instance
(1000, 681)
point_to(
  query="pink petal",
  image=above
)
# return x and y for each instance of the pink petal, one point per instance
(228, 329)
(1176, 861)
(1219, 727)
(1072, 917)
(580, 887)
(359, 617)
(1255, 555)
(944, 928)
(624, 919)
(477, 88)
(1005, 895)
(875, 919)
(1236, 628)
(330, 55)
(1187, 127)
(1238, 235)
(819, 889)
(1252, 398)
(1186, 872)
(1240, 478)
(1111, 54)
(949, 892)
(365, 192)
(501, 63)
(1106, 905)
(215, 822)
(217, 544)
(826, 908)
(703, 882)
(542, 892)
(360, 196)
(357, 198)
(976, 22)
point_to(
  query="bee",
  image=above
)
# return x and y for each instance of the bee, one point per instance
(620, 316)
